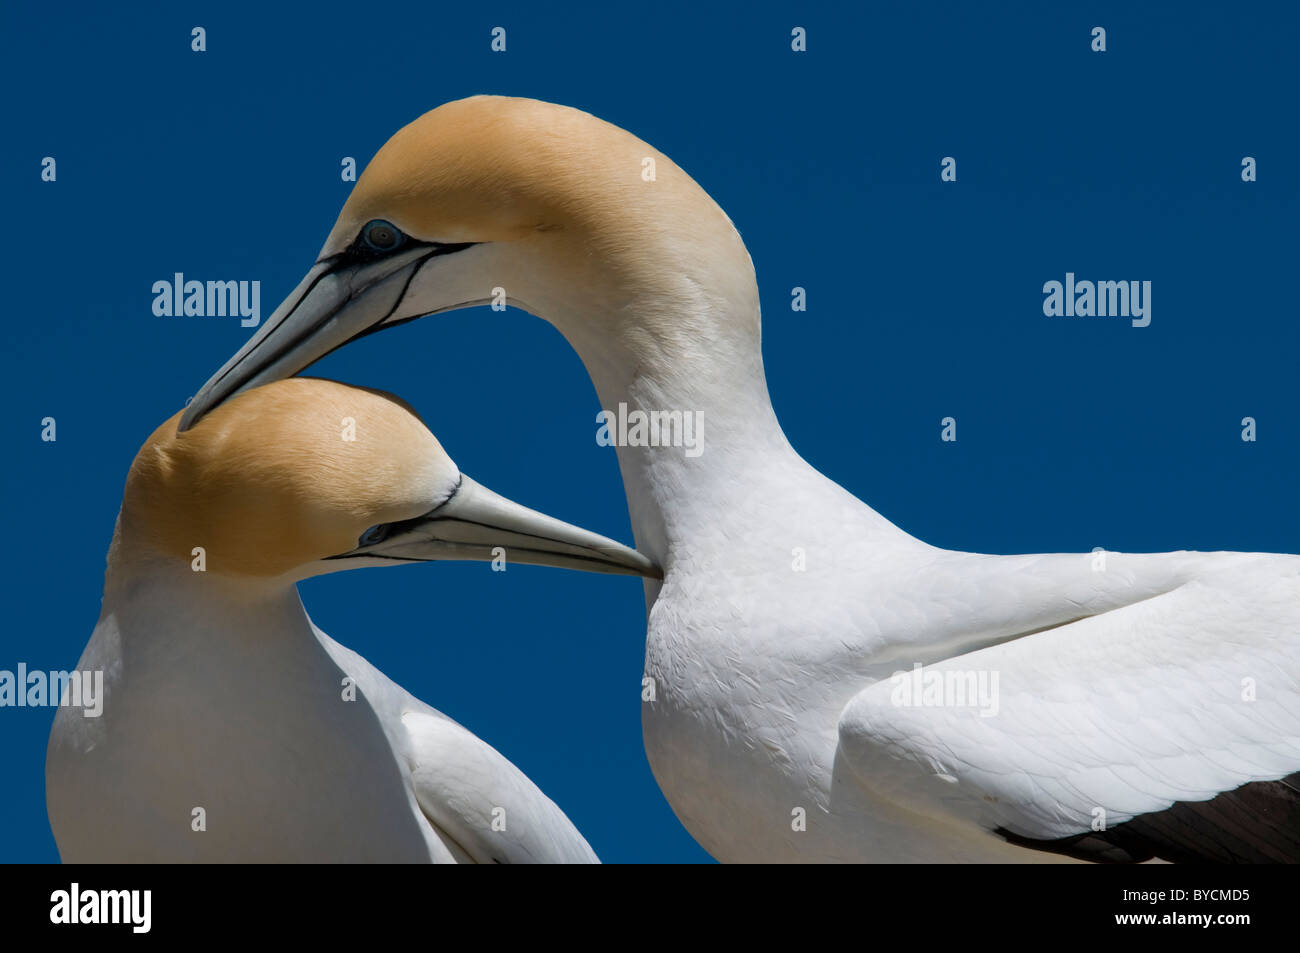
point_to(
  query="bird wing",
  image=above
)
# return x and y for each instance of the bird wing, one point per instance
(483, 808)
(1109, 736)
(481, 802)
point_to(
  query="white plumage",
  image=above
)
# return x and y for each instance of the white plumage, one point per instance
(232, 729)
(787, 605)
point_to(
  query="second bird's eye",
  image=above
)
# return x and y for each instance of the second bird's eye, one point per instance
(376, 534)
(381, 235)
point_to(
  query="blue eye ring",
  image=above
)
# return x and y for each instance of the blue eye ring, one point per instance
(376, 534)
(382, 236)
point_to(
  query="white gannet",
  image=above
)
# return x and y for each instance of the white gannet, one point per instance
(1118, 706)
(233, 729)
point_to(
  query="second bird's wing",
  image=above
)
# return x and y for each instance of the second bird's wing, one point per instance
(482, 808)
(481, 802)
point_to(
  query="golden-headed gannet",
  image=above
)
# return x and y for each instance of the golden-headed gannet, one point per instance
(232, 729)
(1098, 705)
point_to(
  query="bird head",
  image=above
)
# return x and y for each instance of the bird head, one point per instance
(306, 476)
(495, 199)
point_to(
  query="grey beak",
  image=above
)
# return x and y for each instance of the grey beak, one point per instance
(477, 524)
(340, 299)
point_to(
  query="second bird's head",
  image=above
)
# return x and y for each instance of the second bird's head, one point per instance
(499, 200)
(308, 476)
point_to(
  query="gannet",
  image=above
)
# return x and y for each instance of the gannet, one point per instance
(1140, 706)
(233, 729)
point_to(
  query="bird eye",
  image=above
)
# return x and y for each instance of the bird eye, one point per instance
(382, 236)
(376, 534)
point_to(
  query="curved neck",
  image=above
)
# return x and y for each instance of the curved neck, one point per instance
(684, 363)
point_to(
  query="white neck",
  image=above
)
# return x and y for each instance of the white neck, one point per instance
(164, 606)
(218, 692)
(698, 357)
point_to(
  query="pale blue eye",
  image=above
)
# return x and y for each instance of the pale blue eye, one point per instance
(382, 236)
(376, 534)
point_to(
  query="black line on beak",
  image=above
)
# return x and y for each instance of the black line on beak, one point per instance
(338, 262)
(382, 324)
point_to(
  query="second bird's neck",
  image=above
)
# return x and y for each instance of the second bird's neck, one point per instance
(161, 604)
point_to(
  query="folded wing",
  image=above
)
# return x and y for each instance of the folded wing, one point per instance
(1124, 735)
(480, 802)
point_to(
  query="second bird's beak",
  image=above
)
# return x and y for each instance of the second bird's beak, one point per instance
(337, 301)
(477, 524)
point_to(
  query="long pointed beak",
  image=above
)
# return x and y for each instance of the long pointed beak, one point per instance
(337, 301)
(477, 524)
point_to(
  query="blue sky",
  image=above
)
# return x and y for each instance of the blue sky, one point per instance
(924, 301)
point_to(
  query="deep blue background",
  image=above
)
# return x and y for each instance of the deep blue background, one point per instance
(924, 301)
